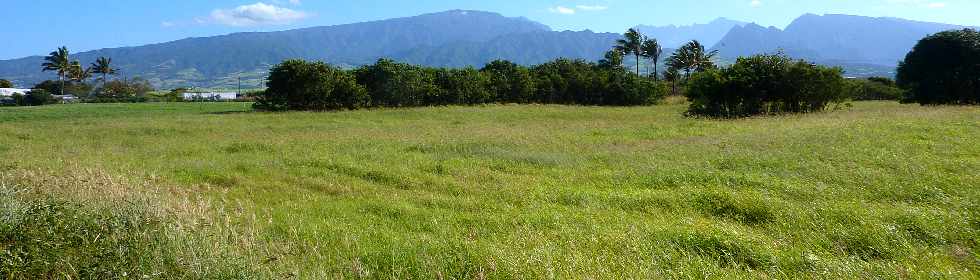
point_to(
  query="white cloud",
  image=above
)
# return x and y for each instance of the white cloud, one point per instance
(295, 2)
(755, 3)
(256, 14)
(562, 10)
(936, 5)
(168, 24)
(592, 7)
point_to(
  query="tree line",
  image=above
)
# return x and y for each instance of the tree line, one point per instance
(73, 83)
(306, 85)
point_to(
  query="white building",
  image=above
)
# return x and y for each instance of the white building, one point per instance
(211, 96)
(7, 92)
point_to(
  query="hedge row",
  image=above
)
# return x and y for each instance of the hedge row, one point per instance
(304, 85)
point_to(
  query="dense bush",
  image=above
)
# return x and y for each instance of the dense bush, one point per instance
(874, 88)
(392, 84)
(461, 86)
(302, 85)
(510, 82)
(122, 91)
(565, 81)
(6, 84)
(943, 68)
(71, 88)
(765, 84)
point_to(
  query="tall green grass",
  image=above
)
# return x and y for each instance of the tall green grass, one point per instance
(881, 190)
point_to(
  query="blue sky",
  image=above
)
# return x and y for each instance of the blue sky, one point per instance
(39, 26)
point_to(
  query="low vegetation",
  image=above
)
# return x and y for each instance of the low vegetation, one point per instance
(874, 88)
(765, 84)
(199, 190)
(302, 85)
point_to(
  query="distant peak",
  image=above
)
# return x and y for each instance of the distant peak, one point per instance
(459, 12)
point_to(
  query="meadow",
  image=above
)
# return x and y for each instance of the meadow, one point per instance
(879, 190)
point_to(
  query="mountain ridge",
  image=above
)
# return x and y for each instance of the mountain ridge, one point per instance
(864, 46)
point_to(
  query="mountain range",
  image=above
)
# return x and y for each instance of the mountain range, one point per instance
(862, 45)
(674, 36)
(844, 40)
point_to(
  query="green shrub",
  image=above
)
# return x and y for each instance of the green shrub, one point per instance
(392, 84)
(510, 82)
(765, 84)
(6, 84)
(71, 87)
(874, 88)
(461, 86)
(122, 91)
(36, 97)
(302, 85)
(943, 68)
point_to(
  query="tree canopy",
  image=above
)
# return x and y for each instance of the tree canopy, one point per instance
(943, 68)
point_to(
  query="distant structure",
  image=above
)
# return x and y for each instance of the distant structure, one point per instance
(7, 92)
(210, 96)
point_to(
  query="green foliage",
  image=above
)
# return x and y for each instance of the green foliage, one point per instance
(134, 90)
(511, 82)
(6, 84)
(765, 84)
(70, 87)
(874, 88)
(943, 68)
(565, 81)
(302, 85)
(38, 97)
(691, 58)
(392, 84)
(58, 61)
(632, 44)
(461, 86)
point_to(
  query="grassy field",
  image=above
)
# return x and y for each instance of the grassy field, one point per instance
(199, 190)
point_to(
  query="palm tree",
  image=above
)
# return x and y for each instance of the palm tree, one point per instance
(632, 43)
(652, 50)
(692, 58)
(103, 65)
(58, 61)
(702, 60)
(78, 73)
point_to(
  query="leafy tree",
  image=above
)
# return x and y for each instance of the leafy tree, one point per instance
(6, 84)
(103, 66)
(134, 90)
(302, 85)
(874, 88)
(60, 62)
(37, 97)
(943, 68)
(632, 43)
(67, 87)
(510, 82)
(613, 60)
(393, 84)
(765, 84)
(461, 86)
(652, 51)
